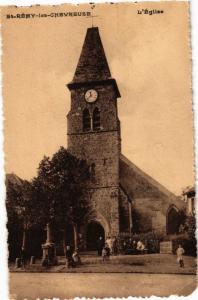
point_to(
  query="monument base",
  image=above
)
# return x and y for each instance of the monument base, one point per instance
(166, 247)
(49, 255)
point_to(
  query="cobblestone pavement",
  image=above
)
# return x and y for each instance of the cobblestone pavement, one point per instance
(31, 286)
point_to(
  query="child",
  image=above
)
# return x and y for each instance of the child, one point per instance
(180, 252)
(105, 253)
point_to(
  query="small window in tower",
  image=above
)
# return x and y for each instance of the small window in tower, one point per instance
(96, 119)
(86, 120)
(92, 171)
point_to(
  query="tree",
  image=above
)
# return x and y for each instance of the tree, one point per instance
(20, 210)
(58, 191)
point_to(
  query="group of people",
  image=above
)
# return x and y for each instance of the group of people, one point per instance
(138, 247)
(111, 247)
(132, 247)
(105, 249)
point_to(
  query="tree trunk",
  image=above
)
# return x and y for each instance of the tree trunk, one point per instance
(49, 233)
(75, 236)
(130, 219)
(64, 242)
(24, 238)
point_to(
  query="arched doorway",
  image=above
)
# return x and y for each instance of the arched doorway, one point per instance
(173, 220)
(94, 231)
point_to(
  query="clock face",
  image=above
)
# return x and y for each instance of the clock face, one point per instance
(91, 95)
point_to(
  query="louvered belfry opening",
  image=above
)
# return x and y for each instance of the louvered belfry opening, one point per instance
(96, 119)
(86, 120)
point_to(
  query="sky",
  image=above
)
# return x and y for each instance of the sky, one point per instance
(148, 55)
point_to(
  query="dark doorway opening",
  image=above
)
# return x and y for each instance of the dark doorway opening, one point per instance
(94, 231)
(173, 221)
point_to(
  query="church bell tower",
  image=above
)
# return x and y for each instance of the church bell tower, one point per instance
(94, 131)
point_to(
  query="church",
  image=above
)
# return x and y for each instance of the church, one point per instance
(124, 200)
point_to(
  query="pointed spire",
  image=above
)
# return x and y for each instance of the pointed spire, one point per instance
(92, 64)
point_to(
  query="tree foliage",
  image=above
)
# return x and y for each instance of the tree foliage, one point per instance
(56, 196)
(19, 202)
(20, 212)
(58, 190)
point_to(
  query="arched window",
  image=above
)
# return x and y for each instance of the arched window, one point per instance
(86, 120)
(173, 220)
(96, 119)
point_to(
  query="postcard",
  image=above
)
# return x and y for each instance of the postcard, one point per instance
(99, 150)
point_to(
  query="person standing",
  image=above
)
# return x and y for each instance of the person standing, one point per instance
(23, 258)
(76, 258)
(104, 254)
(109, 242)
(140, 247)
(180, 252)
(68, 256)
(108, 252)
(100, 244)
(134, 246)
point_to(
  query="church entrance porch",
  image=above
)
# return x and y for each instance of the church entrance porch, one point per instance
(93, 233)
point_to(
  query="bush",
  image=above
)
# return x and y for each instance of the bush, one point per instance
(189, 245)
(190, 225)
(187, 239)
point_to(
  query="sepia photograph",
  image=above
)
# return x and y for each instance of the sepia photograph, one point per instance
(99, 150)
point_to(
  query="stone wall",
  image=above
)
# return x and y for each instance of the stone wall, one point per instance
(148, 215)
(102, 154)
(101, 150)
(106, 103)
(124, 215)
(103, 209)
